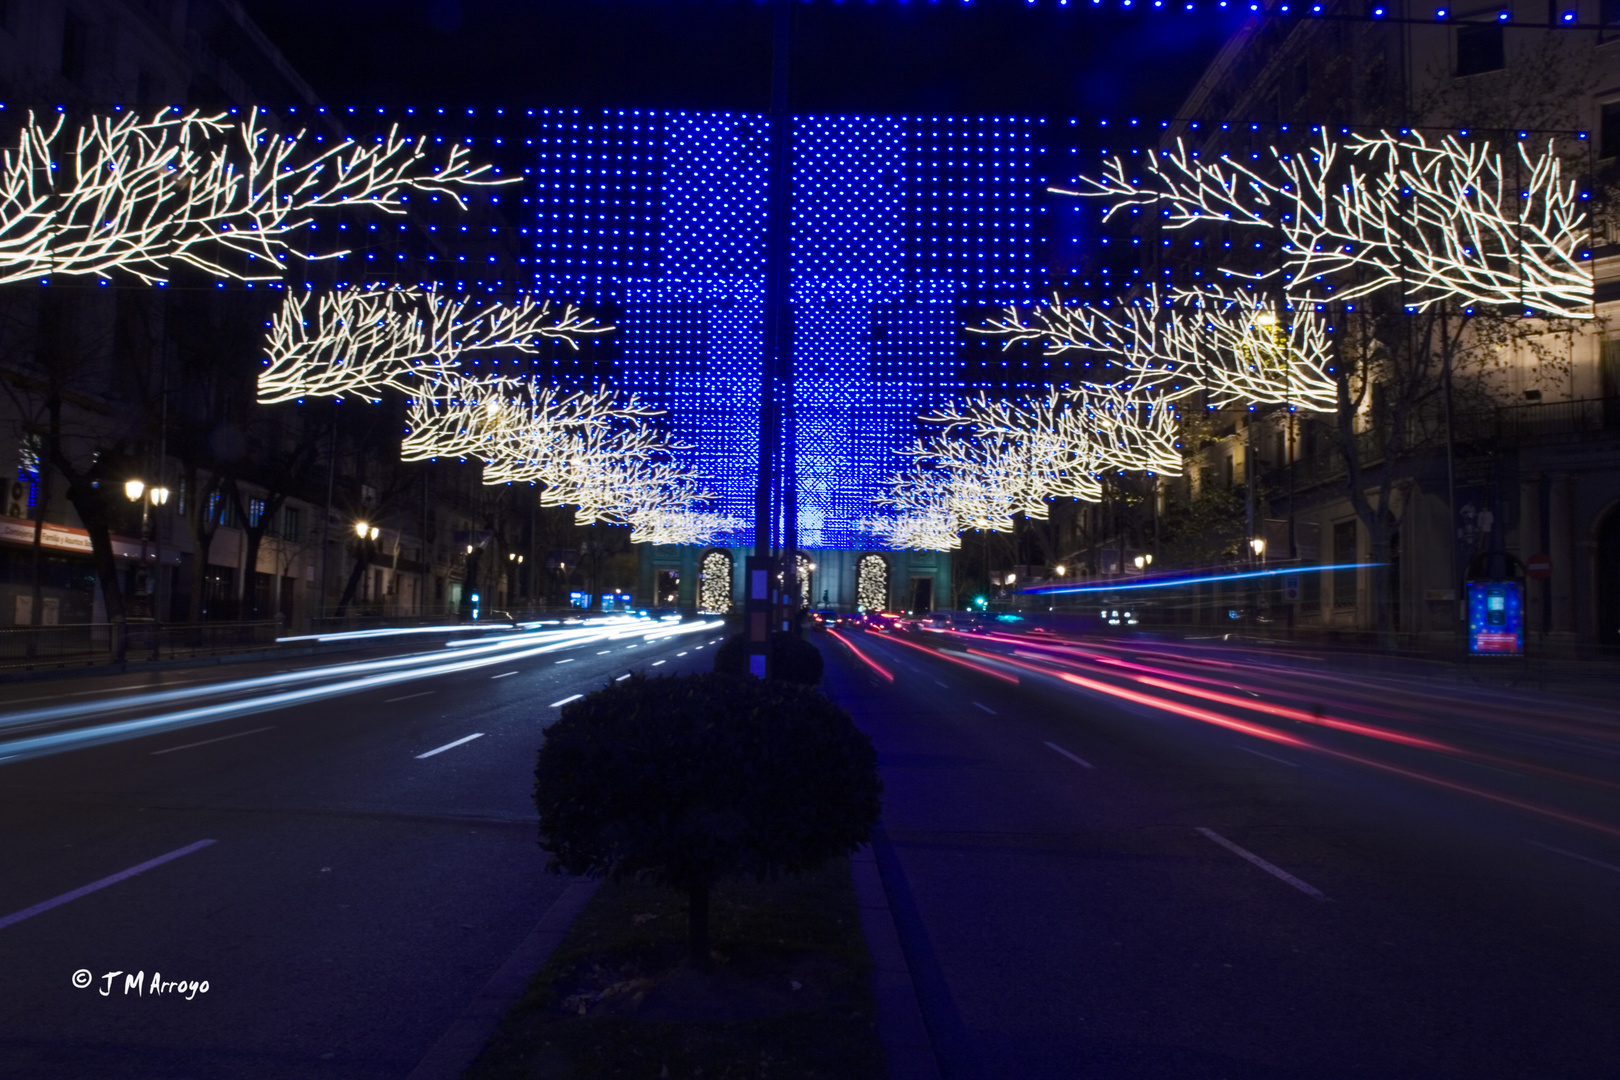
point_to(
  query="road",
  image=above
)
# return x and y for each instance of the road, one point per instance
(351, 849)
(1123, 858)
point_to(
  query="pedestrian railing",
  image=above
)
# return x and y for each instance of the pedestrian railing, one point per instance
(86, 644)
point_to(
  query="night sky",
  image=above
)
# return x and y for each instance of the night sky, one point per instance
(873, 57)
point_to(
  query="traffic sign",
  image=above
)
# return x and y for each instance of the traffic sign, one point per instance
(1538, 566)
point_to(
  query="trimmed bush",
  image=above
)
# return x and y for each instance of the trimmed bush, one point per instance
(688, 779)
(793, 659)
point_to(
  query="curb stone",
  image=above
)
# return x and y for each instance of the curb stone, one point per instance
(906, 1045)
(457, 1047)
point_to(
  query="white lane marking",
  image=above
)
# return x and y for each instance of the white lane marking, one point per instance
(680, 654)
(630, 646)
(564, 701)
(205, 742)
(657, 662)
(1276, 871)
(503, 674)
(1071, 757)
(407, 697)
(621, 678)
(1268, 757)
(85, 890)
(1583, 858)
(986, 708)
(699, 646)
(604, 652)
(450, 746)
(570, 660)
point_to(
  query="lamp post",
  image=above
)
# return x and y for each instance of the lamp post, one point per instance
(135, 490)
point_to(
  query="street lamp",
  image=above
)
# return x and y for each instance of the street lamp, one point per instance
(134, 489)
(1258, 546)
(1060, 569)
(366, 531)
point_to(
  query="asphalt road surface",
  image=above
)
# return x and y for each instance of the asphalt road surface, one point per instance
(1126, 859)
(350, 855)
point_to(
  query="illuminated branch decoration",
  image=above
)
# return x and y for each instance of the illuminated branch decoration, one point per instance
(1246, 354)
(1134, 334)
(142, 196)
(995, 459)
(930, 530)
(359, 340)
(1440, 221)
(592, 451)
(684, 527)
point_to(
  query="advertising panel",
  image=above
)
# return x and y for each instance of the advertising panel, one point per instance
(1495, 618)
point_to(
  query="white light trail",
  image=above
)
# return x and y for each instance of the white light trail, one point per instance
(349, 678)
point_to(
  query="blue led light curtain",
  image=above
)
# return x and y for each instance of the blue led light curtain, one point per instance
(900, 227)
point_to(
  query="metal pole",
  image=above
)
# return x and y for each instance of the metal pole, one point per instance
(326, 522)
(761, 585)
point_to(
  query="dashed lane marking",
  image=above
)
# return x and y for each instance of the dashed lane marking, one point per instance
(1071, 757)
(1275, 871)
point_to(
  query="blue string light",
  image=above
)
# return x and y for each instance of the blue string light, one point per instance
(898, 224)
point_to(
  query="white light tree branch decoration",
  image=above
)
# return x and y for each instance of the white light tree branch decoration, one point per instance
(682, 527)
(1134, 333)
(996, 459)
(1232, 344)
(592, 451)
(361, 339)
(1246, 353)
(220, 194)
(1439, 220)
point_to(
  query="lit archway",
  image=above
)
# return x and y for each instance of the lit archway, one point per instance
(872, 582)
(714, 583)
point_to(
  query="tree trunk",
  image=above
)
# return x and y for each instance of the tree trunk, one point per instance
(249, 605)
(88, 501)
(361, 561)
(697, 926)
(36, 613)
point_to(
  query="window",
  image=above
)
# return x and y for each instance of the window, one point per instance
(1609, 130)
(1479, 48)
(255, 512)
(75, 35)
(221, 511)
(291, 525)
(1310, 592)
(1609, 14)
(1344, 557)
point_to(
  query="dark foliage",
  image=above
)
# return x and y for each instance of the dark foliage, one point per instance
(689, 779)
(793, 659)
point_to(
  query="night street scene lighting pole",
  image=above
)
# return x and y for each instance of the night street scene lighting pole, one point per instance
(776, 497)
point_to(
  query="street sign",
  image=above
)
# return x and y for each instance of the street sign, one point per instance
(1290, 588)
(1538, 566)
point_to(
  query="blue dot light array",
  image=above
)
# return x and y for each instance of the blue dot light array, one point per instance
(902, 228)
